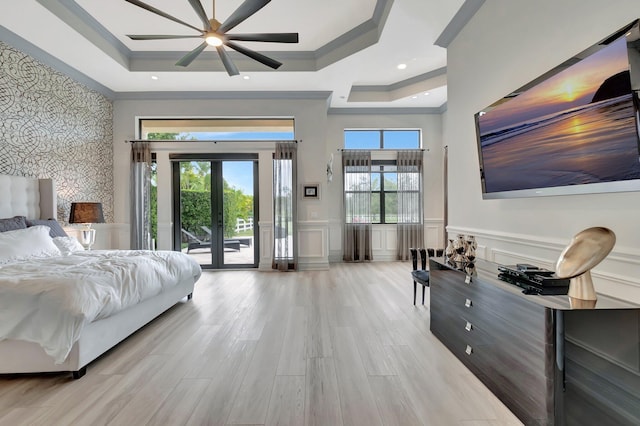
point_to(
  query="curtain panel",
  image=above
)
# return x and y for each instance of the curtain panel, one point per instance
(410, 202)
(356, 242)
(285, 249)
(141, 196)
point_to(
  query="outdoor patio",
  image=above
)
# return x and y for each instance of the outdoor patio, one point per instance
(231, 257)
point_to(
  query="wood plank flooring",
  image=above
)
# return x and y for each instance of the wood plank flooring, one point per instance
(338, 347)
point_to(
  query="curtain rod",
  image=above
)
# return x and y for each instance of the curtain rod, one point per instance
(209, 140)
(383, 149)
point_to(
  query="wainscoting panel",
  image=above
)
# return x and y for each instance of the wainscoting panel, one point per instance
(384, 239)
(266, 245)
(617, 276)
(313, 245)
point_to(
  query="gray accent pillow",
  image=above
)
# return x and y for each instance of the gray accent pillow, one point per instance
(12, 223)
(55, 230)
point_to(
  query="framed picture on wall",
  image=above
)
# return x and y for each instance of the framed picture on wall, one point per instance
(311, 191)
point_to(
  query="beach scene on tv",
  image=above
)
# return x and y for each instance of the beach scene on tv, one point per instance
(577, 127)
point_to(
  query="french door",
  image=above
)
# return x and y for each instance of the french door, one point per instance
(215, 201)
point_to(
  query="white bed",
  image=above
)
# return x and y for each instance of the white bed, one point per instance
(36, 199)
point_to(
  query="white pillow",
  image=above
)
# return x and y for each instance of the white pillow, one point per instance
(68, 245)
(27, 243)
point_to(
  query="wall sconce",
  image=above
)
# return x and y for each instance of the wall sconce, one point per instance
(86, 214)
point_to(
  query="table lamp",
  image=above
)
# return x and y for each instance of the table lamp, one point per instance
(86, 214)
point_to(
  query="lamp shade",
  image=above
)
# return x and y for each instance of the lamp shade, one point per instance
(86, 213)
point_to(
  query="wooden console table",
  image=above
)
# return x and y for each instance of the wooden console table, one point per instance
(550, 362)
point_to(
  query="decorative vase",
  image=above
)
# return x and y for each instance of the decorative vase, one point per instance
(459, 247)
(449, 251)
(471, 240)
(470, 254)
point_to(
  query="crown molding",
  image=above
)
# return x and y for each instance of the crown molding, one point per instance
(460, 19)
(51, 61)
(358, 38)
(194, 95)
(383, 111)
(402, 89)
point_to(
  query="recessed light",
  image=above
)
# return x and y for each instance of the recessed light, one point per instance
(154, 77)
(414, 97)
(426, 93)
(402, 66)
(246, 77)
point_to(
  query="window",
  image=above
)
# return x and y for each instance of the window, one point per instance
(382, 139)
(382, 184)
(218, 129)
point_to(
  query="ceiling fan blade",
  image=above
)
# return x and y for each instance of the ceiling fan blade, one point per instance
(159, 37)
(161, 13)
(226, 61)
(197, 6)
(254, 55)
(245, 10)
(275, 38)
(189, 57)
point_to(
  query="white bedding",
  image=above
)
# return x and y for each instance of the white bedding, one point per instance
(49, 300)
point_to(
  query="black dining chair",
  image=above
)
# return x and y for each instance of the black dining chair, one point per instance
(421, 276)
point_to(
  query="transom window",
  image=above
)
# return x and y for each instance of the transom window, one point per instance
(218, 129)
(382, 139)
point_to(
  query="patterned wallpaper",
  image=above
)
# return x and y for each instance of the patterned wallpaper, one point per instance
(52, 126)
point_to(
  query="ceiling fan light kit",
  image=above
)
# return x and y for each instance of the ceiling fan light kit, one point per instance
(215, 34)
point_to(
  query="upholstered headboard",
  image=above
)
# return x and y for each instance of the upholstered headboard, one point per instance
(30, 197)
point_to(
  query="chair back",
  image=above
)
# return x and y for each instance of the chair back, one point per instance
(414, 258)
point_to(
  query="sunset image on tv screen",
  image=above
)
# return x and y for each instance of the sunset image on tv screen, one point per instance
(577, 127)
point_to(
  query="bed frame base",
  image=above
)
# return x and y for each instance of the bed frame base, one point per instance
(18, 356)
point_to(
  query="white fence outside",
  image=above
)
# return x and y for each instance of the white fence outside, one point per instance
(243, 225)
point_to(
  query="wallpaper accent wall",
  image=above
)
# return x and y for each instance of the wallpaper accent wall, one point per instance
(53, 127)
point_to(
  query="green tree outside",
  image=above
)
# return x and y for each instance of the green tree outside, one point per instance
(195, 189)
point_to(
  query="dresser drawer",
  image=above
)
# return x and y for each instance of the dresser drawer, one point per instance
(513, 381)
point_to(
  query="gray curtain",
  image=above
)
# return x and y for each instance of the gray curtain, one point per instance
(140, 196)
(410, 202)
(356, 242)
(285, 249)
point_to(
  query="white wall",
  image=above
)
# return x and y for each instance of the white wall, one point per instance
(505, 45)
(310, 121)
(384, 236)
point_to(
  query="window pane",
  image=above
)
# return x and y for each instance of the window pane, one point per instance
(375, 181)
(390, 207)
(401, 139)
(357, 207)
(390, 181)
(218, 129)
(375, 207)
(357, 182)
(410, 181)
(410, 206)
(361, 139)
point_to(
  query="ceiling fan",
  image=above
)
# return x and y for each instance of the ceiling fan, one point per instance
(215, 34)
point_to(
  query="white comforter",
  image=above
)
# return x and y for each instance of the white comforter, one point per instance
(49, 300)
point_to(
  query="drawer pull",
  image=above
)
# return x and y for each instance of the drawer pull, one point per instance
(467, 279)
(468, 303)
(469, 350)
(468, 327)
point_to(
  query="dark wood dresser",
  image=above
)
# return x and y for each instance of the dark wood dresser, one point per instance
(550, 362)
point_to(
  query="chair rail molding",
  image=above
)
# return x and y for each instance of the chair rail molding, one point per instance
(616, 276)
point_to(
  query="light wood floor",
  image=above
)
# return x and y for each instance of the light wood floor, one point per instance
(338, 347)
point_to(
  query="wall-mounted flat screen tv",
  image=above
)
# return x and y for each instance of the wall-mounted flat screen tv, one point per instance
(573, 130)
